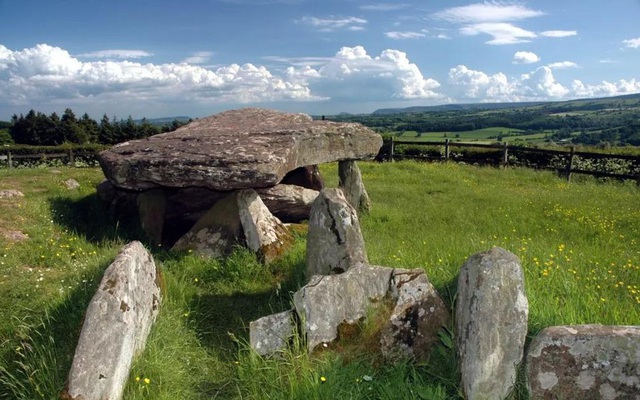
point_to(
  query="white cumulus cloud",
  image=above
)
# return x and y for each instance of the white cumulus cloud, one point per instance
(632, 43)
(558, 33)
(525, 57)
(46, 73)
(404, 35)
(353, 72)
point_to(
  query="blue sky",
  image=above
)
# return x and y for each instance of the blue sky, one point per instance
(196, 58)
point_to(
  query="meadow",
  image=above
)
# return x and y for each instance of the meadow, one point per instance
(578, 243)
(481, 136)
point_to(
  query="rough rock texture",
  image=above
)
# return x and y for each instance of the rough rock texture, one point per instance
(263, 233)
(215, 234)
(116, 326)
(585, 362)
(13, 236)
(9, 193)
(71, 184)
(352, 185)
(248, 148)
(491, 322)
(239, 218)
(330, 300)
(308, 177)
(289, 203)
(272, 333)
(151, 208)
(418, 315)
(334, 241)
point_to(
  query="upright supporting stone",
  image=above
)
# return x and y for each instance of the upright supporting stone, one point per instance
(116, 326)
(151, 207)
(491, 319)
(352, 185)
(334, 241)
(264, 233)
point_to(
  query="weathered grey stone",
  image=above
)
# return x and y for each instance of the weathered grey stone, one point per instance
(419, 313)
(289, 203)
(491, 321)
(151, 208)
(13, 236)
(116, 326)
(215, 234)
(352, 185)
(308, 177)
(334, 241)
(263, 233)
(330, 300)
(585, 362)
(105, 191)
(248, 148)
(9, 193)
(271, 334)
(72, 184)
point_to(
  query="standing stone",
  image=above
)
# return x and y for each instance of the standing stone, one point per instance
(272, 333)
(116, 326)
(418, 315)
(334, 241)
(585, 362)
(328, 301)
(216, 232)
(151, 208)
(352, 185)
(491, 322)
(263, 233)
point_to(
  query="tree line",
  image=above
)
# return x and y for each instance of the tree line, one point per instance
(37, 128)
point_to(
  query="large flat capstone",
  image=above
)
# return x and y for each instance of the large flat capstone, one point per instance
(247, 148)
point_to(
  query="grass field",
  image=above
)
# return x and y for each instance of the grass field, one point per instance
(484, 136)
(578, 243)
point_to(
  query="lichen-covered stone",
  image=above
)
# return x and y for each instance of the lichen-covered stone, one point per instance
(352, 185)
(248, 148)
(585, 362)
(328, 301)
(334, 241)
(418, 314)
(491, 323)
(290, 203)
(115, 327)
(263, 233)
(271, 334)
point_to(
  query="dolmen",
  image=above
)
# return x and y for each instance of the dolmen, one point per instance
(232, 178)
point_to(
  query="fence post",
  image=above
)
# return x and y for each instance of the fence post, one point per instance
(570, 163)
(505, 154)
(71, 159)
(446, 149)
(9, 161)
(391, 150)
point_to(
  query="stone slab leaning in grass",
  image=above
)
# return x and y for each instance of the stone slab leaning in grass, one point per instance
(116, 326)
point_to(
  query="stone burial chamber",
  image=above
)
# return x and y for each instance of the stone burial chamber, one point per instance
(185, 184)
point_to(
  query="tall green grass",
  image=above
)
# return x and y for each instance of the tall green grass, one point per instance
(578, 243)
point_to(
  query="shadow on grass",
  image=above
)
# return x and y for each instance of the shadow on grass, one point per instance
(90, 218)
(43, 346)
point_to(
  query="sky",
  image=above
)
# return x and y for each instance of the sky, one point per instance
(163, 58)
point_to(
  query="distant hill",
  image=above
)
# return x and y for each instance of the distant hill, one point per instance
(603, 102)
(165, 120)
